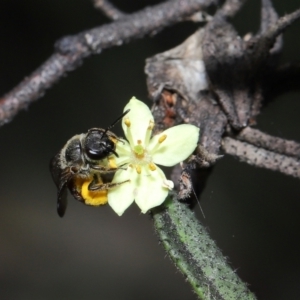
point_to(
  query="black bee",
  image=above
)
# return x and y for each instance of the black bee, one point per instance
(83, 167)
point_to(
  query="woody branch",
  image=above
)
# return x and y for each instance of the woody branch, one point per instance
(71, 50)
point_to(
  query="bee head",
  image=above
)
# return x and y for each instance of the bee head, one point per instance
(98, 144)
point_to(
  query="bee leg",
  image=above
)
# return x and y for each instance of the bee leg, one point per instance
(108, 169)
(98, 185)
(104, 169)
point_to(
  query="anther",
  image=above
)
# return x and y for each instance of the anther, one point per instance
(151, 125)
(138, 169)
(127, 122)
(152, 166)
(162, 138)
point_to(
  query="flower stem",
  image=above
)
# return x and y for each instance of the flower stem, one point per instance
(196, 255)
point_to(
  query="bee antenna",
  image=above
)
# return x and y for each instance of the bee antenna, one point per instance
(116, 121)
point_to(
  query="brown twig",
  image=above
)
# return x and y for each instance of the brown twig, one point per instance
(269, 17)
(109, 9)
(268, 142)
(261, 158)
(71, 50)
(263, 42)
(230, 8)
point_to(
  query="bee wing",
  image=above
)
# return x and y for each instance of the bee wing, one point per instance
(61, 177)
(62, 200)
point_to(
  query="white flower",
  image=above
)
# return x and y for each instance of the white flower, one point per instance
(147, 185)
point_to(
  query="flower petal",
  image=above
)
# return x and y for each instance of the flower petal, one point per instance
(121, 196)
(124, 151)
(180, 142)
(140, 117)
(169, 184)
(151, 190)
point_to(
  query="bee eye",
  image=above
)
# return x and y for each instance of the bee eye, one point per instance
(95, 154)
(98, 147)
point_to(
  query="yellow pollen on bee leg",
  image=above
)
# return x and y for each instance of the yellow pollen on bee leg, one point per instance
(127, 122)
(112, 163)
(138, 169)
(152, 166)
(162, 138)
(94, 198)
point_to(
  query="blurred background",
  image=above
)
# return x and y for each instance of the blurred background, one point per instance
(251, 213)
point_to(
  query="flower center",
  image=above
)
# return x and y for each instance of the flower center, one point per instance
(139, 151)
(140, 156)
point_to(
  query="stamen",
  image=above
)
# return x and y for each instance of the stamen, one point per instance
(151, 125)
(159, 141)
(162, 138)
(127, 122)
(128, 132)
(152, 166)
(149, 132)
(139, 142)
(138, 169)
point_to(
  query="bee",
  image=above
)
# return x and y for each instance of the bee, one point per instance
(86, 167)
